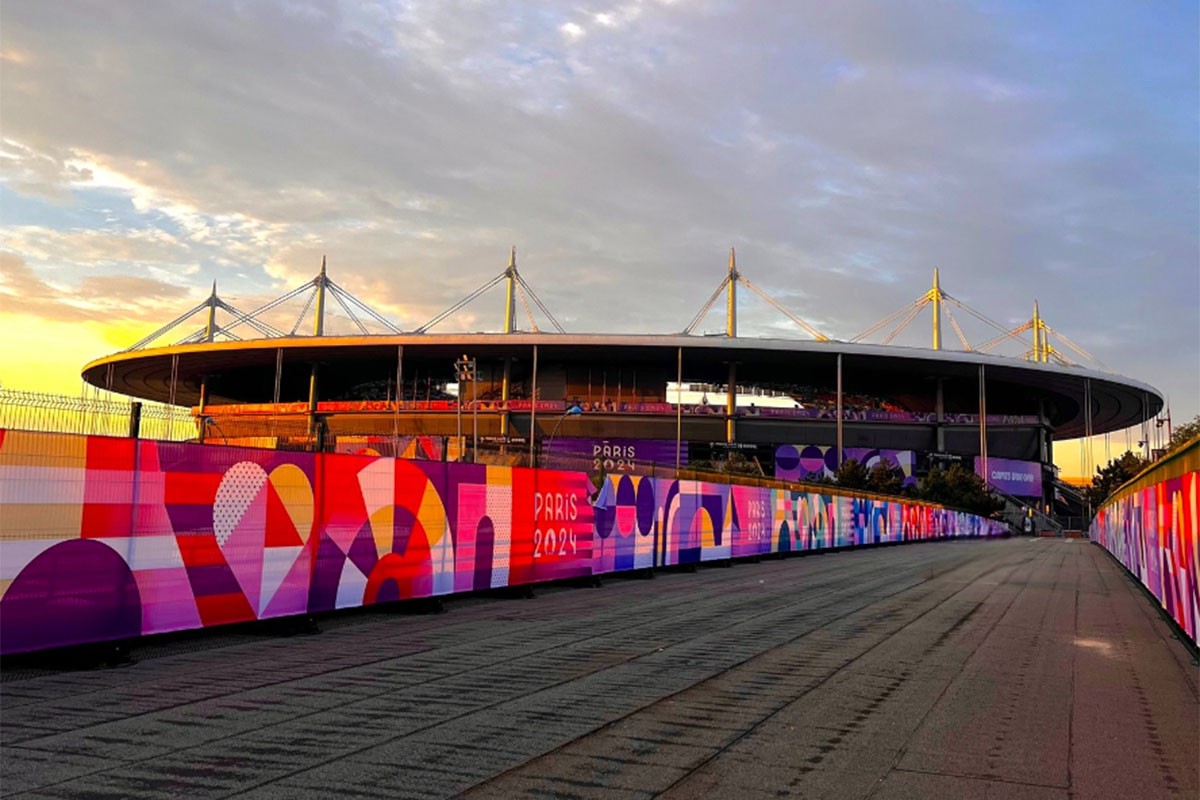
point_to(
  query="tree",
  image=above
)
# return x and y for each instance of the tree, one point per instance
(851, 474)
(1184, 433)
(885, 477)
(1110, 477)
(960, 488)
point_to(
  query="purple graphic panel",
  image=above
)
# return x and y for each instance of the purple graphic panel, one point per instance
(1020, 478)
(797, 462)
(615, 455)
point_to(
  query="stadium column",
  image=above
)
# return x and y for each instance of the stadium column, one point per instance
(510, 310)
(399, 397)
(678, 409)
(533, 410)
(505, 381)
(731, 403)
(278, 374)
(839, 410)
(210, 334)
(940, 409)
(731, 333)
(203, 406)
(313, 421)
(983, 458)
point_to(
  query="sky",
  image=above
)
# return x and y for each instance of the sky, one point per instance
(1045, 151)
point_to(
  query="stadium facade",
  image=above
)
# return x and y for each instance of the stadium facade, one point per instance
(615, 400)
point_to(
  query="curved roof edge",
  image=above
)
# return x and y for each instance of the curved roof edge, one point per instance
(1120, 402)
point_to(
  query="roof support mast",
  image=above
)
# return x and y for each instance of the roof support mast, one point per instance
(935, 297)
(1039, 336)
(210, 329)
(510, 291)
(731, 299)
(322, 281)
(510, 313)
(314, 376)
(210, 333)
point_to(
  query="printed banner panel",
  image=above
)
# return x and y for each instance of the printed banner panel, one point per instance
(105, 538)
(800, 462)
(1155, 533)
(1018, 478)
(616, 455)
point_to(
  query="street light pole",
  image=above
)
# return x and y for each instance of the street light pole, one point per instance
(573, 411)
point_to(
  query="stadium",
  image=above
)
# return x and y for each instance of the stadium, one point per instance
(794, 408)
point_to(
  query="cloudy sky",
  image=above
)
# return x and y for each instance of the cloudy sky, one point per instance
(1046, 150)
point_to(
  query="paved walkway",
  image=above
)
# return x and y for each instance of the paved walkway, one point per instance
(1030, 669)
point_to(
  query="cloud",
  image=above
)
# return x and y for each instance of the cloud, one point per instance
(845, 149)
(97, 298)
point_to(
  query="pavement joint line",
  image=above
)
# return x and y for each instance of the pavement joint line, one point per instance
(903, 749)
(828, 677)
(886, 568)
(670, 697)
(993, 779)
(546, 688)
(1152, 609)
(202, 670)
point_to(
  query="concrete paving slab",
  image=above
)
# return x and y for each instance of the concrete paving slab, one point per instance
(957, 669)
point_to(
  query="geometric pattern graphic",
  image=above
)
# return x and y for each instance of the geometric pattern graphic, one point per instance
(1155, 532)
(798, 462)
(105, 538)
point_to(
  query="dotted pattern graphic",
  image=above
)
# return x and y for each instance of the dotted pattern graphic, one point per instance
(237, 491)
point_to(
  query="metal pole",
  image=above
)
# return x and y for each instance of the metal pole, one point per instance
(983, 455)
(135, 419)
(278, 373)
(678, 410)
(399, 396)
(839, 410)
(533, 410)
(940, 407)
(1146, 422)
(314, 377)
(474, 415)
(731, 403)
(203, 405)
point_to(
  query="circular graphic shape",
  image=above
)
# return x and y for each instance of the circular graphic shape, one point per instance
(645, 507)
(787, 458)
(812, 460)
(75, 592)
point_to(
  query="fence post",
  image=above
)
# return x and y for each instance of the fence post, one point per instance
(135, 419)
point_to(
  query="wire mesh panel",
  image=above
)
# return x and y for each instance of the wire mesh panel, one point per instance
(99, 416)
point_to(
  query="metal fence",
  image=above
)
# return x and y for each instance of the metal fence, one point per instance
(96, 415)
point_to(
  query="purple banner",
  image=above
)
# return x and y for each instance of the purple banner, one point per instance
(1020, 478)
(616, 455)
(798, 462)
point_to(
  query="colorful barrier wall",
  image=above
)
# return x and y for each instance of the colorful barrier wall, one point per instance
(106, 538)
(1152, 526)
